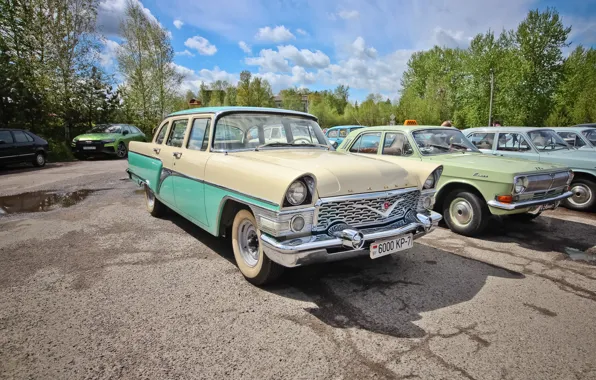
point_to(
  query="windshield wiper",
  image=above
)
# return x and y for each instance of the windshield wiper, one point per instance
(438, 146)
(462, 146)
(278, 144)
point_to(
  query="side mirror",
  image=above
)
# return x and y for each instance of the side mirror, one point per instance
(334, 144)
(125, 132)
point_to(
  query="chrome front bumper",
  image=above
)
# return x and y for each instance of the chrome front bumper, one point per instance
(527, 204)
(345, 244)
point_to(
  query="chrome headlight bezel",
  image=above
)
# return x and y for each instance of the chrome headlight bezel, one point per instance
(520, 184)
(433, 179)
(297, 193)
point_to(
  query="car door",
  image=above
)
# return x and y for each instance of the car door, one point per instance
(168, 154)
(516, 145)
(189, 188)
(24, 145)
(7, 150)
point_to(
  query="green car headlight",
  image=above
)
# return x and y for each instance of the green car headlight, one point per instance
(108, 141)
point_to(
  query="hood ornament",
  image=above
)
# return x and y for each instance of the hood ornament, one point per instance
(387, 206)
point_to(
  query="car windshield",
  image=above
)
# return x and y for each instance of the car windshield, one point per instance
(440, 141)
(591, 136)
(240, 131)
(547, 140)
(106, 129)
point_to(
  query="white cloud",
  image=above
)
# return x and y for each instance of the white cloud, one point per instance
(359, 49)
(192, 79)
(450, 38)
(302, 32)
(185, 53)
(201, 45)
(348, 15)
(111, 12)
(178, 23)
(245, 47)
(278, 61)
(107, 57)
(277, 34)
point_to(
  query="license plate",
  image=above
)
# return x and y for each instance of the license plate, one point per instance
(387, 247)
(88, 148)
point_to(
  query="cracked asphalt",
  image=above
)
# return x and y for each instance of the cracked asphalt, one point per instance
(98, 289)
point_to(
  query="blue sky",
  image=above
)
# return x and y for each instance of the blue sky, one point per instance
(322, 43)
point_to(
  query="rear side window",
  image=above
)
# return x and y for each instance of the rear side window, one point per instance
(199, 134)
(367, 143)
(19, 136)
(332, 133)
(343, 132)
(161, 134)
(134, 129)
(29, 138)
(6, 136)
(177, 133)
(572, 139)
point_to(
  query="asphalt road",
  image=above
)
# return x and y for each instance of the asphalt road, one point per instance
(99, 289)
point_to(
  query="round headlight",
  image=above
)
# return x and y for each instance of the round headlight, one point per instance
(296, 193)
(297, 223)
(521, 183)
(430, 181)
(427, 202)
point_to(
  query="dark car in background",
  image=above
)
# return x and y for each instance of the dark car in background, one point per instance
(18, 146)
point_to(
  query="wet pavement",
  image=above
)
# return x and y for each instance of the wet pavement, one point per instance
(99, 289)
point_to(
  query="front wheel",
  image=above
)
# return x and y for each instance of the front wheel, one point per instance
(121, 150)
(256, 267)
(40, 160)
(583, 198)
(465, 213)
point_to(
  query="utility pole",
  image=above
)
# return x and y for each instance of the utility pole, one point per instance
(490, 107)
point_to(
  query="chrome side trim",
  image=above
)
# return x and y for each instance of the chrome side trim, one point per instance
(516, 206)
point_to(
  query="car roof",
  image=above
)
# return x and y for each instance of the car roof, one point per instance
(575, 128)
(505, 129)
(218, 110)
(380, 128)
(347, 126)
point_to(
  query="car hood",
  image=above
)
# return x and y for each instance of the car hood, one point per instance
(487, 167)
(337, 173)
(97, 136)
(575, 159)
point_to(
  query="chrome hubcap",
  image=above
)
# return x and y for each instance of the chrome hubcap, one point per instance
(150, 199)
(248, 242)
(461, 211)
(581, 194)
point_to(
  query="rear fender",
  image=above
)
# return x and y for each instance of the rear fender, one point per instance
(143, 165)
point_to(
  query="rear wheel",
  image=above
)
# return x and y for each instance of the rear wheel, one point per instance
(584, 195)
(154, 206)
(121, 150)
(40, 159)
(465, 213)
(256, 267)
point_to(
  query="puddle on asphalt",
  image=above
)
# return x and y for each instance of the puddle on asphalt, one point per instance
(579, 255)
(40, 201)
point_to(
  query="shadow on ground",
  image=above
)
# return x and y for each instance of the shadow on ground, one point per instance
(26, 167)
(383, 296)
(545, 234)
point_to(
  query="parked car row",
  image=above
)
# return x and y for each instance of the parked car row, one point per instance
(272, 180)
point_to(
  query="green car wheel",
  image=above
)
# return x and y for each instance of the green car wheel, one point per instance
(121, 150)
(465, 213)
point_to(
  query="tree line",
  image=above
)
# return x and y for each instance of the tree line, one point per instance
(52, 82)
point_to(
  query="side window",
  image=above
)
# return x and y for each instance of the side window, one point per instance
(161, 134)
(28, 137)
(199, 134)
(572, 139)
(177, 133)
(333, 133)
(367, 143)
(396, 144)
(6, 137)
(134, 129)
(512, 142)
(19, 136)
(343, 132)
(482, 140)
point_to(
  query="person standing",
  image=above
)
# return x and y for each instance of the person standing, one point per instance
(447, 123)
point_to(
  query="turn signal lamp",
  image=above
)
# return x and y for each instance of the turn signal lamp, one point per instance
(505, 198)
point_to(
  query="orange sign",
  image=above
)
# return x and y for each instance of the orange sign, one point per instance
(410, 122)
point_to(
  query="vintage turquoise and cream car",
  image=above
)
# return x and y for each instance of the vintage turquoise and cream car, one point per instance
(268, 178)
(546, 146)
(473, 185)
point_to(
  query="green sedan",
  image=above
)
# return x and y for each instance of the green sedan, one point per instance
(473, 186)
(106, 140)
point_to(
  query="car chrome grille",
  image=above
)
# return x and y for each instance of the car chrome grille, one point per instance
(358, 211)
(544, 182)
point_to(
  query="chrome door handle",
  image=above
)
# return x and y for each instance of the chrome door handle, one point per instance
(156, 150)
(177, 154)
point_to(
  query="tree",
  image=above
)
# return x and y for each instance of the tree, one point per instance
(291, 99)
(230, 96)
(243, 96)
